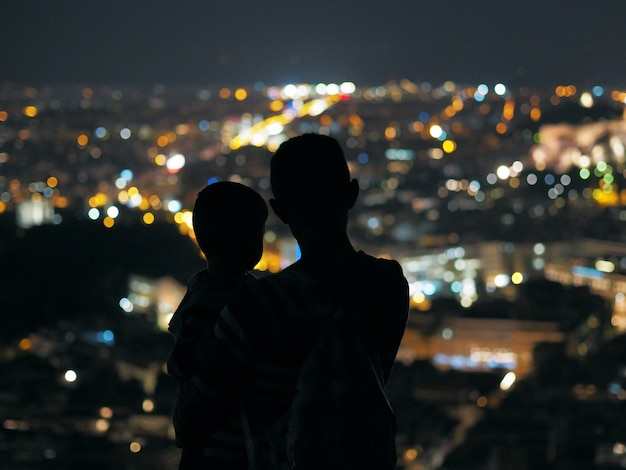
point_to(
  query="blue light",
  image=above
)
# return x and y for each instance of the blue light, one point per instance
(204, 125)
(585, 271)
(298, 252)
(597, 90)
(482, 89)
(174, 206)
(108, 336)
(373, 223)
(212, 180)
(100, 132)
(423, 116)
(126, 174)
(363, 158)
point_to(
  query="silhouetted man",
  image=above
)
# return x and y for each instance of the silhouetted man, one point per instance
(270, 327)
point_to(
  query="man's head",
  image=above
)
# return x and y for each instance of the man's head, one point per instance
(229, 223)
(310, 180)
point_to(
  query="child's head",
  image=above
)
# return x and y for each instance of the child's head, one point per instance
(229, 223)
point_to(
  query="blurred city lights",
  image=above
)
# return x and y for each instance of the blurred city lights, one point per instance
(175, 162)
(507, 381)
(70, 376)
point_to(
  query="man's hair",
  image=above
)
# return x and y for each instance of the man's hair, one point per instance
(229, 219)
(309, 171)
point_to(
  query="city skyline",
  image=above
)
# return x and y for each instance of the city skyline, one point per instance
(240, 43)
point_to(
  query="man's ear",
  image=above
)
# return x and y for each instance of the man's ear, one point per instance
(279, 210)
(353, 193)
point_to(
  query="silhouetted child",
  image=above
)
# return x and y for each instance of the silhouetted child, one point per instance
(229, 224)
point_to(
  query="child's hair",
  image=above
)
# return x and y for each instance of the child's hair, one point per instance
(229, 222)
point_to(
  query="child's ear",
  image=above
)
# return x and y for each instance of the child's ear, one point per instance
(279, 210)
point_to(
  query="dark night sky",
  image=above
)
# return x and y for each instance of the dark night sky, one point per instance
(237, 42)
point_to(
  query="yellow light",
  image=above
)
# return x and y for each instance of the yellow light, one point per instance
(133, 191)
(25, 344)
(30, 111)
(261, 265)
(101, 199)
(410, 454)
(61, 202)
(135, 447)
(144, 204)
(501, 128)
(52, 182)
(274, 266)
(448, 146)
(224, 93)
(148, 218)
(106, 412)
(3, 116)
(517, 278)
(178, 218)
(147, 405)
(390, 133)
(326, 120)
(3, 207)
(355, 120)
(276, 105)
(102, 425)
(162, 141)
(509, 110)
(448, 112)
(482, 401)
(160, 159)
(108, 222)
(241, 94)
(82, 140)
(535, 114)
(182, 129)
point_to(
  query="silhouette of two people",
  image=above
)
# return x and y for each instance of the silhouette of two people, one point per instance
(255, 334)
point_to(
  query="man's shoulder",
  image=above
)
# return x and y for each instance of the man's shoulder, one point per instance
(384, 269)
